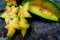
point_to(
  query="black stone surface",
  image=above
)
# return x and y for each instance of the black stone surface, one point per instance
(40, 29)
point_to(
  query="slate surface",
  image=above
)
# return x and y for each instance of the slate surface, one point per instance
(41, 29)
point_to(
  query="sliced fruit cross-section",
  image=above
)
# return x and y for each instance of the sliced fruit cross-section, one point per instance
(43, 13)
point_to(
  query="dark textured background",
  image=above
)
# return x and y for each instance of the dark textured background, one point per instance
(41, 29)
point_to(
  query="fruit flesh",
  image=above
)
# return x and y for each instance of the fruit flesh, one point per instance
(48, 5)
(23, 11)
(23, 23)
(11, 2)
(43, 13)
(15, 21)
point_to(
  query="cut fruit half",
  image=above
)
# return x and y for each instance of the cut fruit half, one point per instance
(43, 13)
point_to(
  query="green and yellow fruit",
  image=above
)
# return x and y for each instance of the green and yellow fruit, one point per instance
(11, 32)
(47, 5)
(23, 23)
(43, 13)
(23, 32)
(23, 10)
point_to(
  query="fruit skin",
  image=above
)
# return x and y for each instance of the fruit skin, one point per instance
(13, 23)
(3, 15)
(9, 13)
(48, 5)
(11, 2)
(23, 10)
(7, 19)
(43, 13)
(23, 23)
(11, 32)
(26, 5)
(23, 32)
(56, 3)
(13, 12)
